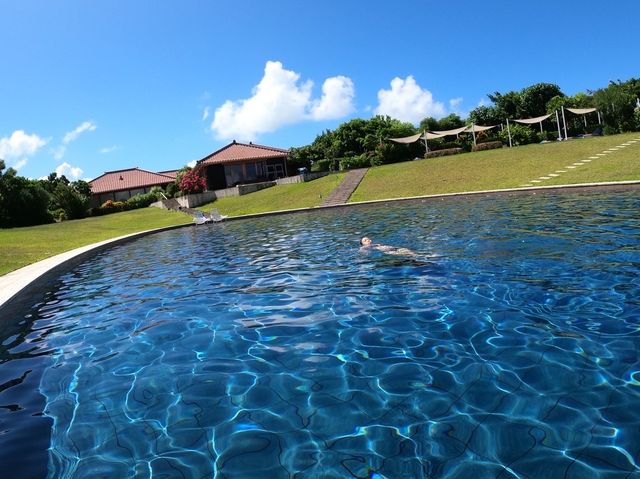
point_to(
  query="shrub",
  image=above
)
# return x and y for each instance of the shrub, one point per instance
(446, 152)
(325, 165)
(520, 135)
(59, 215)
(191, 182)
(360, 161)
(109, 207)
(489, 145)
(141, 201)
(67, 198)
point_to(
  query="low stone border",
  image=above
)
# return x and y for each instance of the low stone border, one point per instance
(18, 287)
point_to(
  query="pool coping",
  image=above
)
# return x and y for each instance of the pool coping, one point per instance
(31, 279)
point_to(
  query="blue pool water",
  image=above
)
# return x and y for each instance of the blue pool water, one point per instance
(509, 347)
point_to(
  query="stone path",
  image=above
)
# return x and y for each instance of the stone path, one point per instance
(345, 189)
(597, 156)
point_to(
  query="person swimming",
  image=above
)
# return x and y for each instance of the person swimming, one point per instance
(366, 243)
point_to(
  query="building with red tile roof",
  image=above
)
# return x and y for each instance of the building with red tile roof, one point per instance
(241, 163)
(172, 173)
(120, 185)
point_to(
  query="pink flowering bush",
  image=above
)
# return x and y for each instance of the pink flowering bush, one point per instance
(192, 182)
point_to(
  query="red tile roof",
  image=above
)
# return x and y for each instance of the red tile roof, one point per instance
(129, 179)
(171, 173)
(241, 152)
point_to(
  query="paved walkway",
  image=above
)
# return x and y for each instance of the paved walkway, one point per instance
(577, 164)
(345, 189)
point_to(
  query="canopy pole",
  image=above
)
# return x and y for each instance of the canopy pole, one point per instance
(564, 120)
(426, 145)
(473, 130)
(509, 132)
(558, 123)
(541, 132)
(599, 119)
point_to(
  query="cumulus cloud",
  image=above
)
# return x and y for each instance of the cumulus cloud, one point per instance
(336, 100)
(72, 172)
(407, 101)
(205, 113)
(74, 134)
(192, 163)
(20, 145)
(280, 99)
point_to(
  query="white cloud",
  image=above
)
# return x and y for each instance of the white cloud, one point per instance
(20, 145)
(192, 163)
(60, 150)
(205, 113)
(69, 171)
(407, 101)
(107, 149)
(280, 99)
(336, 101)
(19, 164)
(73, 135)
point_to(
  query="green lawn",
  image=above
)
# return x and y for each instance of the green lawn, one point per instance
(283, 197)
(504, 168)
(22, 246)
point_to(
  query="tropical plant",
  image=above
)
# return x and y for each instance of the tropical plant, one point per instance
(191, 182)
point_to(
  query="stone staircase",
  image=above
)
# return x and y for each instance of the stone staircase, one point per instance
(345, 189)
(172, 204)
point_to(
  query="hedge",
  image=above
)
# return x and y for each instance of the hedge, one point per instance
(445, 152)
(489, 145)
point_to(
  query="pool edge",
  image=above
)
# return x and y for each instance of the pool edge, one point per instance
(18, 284)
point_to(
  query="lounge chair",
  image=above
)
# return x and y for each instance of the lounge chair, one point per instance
(215, 216)
(199, 218)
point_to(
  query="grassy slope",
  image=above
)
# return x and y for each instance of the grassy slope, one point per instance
(505, 168)
(22, 246)
(284, 197)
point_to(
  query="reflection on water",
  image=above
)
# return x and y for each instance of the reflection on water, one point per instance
(276, 348)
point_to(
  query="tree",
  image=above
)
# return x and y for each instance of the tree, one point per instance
(507, 105)
(616, 104)
(486, 116)
(534, 99)
(23, 202)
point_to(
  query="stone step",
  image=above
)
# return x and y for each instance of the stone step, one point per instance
(345, 189)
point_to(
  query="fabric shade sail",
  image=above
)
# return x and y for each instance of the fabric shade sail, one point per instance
(531, 121)
(580, 111)
(478, 128)
(455, 131)
(430, 135)
(407, 139)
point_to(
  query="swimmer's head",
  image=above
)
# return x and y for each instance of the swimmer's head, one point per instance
(364, 241)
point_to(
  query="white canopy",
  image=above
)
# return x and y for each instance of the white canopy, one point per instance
(430, 135)
(455, 131)
(531, 121)
(407, 139)
(581, 111)
(478, 128)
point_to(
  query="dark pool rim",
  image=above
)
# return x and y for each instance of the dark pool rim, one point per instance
(27, 284)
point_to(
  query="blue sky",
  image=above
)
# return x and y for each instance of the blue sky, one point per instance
(88, 87)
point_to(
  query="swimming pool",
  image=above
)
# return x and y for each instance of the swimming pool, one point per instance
(275, 347)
